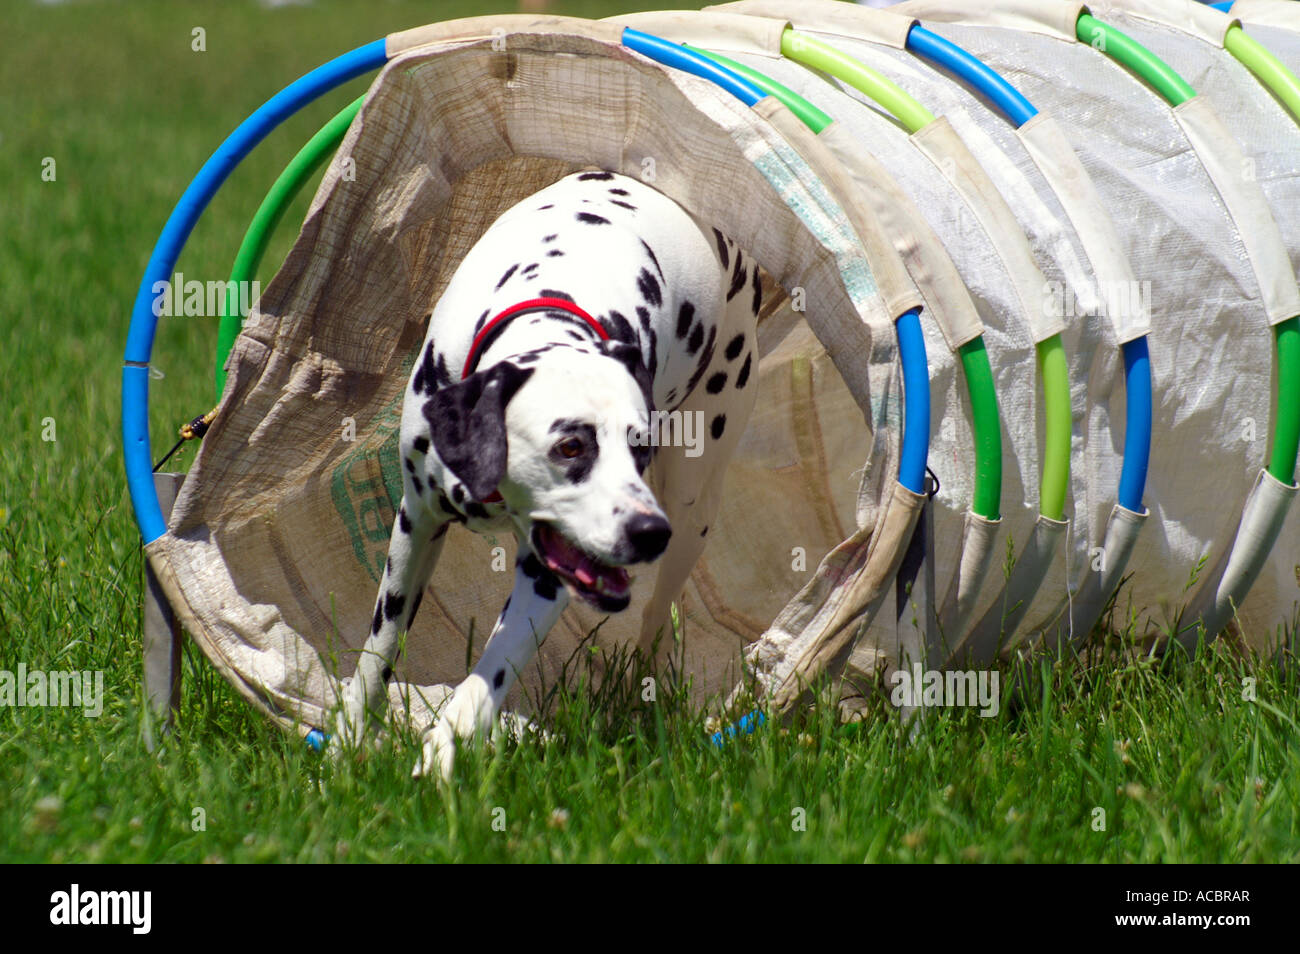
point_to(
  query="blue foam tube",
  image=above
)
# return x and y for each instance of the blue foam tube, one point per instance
(139, 341)
(953, 58)
(1137, 363)
(916, 402)
(681, 58)
(135, 440)
(1224, 6)
(1137, 424)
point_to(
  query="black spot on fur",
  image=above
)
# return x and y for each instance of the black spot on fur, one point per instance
(554, 253)
(595, 177)
(743, 376)
(529, 269)
(403, 521)
(388, 673)
(758, 292)
(410, 465)
(696, 339)
(734, 347)
(419, 595)
(737, 279)
(648, 285)
(506, 277)
(417, 483)
(619, 328)
(425, 376)
(575, 335)
(618, 192)
(718, 425)
(543, 208)
(441, 375)
(651, 252)
(590, 218)
(393, 604)
(476, 510)
(482, 320)
(532, 567)
(716, 382)
(722, 249)
(420, 444)
(458, 493)
(552, 293)
(626, 205)
(551, 238)
(685, 315)
(706, 357)
(498, 679)
(546, 585)
(377, 623)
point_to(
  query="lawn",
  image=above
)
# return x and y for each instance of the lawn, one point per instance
(1143, 760)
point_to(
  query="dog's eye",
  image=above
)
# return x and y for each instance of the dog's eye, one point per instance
(569, 448)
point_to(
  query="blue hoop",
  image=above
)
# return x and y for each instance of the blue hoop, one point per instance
(916, 402)
(953, 58)
(688, 61)
(1137, 364)
(195, 199)
(139, 340)
(1137, 424)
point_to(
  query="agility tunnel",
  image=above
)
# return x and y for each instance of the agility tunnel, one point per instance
(1029, 340)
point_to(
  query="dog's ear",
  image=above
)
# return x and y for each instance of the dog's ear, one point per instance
(629, 356)
(468, 424)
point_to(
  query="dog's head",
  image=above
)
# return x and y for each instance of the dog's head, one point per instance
(562, 436)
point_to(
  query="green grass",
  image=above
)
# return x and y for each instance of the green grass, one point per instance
(1184, 767)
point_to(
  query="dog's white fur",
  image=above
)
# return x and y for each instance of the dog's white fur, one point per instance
(684, 305)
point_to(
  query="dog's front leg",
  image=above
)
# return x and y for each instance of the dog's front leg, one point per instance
(413, 552)
(531, 610)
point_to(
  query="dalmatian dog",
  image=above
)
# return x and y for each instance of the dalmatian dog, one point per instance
(582, 318)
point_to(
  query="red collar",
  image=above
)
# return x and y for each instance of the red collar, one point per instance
(524, 307)
(514, 311)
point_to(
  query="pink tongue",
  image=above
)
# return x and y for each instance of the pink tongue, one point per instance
(580, 565)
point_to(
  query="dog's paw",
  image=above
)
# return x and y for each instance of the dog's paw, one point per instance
(437, 755)
(351, 725)
(468, 714)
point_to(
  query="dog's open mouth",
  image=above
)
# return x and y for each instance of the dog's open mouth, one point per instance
(604, 586)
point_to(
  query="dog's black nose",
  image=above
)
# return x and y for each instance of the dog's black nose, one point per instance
(648, 535)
